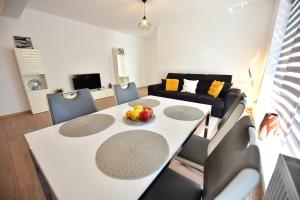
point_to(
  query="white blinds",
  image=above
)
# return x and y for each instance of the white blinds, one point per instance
(287, 83)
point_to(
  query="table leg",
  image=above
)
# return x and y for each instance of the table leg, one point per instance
(206, 125)
(49, 195)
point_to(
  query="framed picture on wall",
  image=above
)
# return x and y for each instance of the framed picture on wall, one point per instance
(23, 42)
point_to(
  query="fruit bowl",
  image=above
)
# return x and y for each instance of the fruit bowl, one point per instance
(139, 115)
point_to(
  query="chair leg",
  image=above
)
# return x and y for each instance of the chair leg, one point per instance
(190, 164)
(206, 125)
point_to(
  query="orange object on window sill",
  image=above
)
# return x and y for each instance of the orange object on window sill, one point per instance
(269, 125)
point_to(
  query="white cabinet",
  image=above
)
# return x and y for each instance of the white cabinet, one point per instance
(30, 67)
(38, 100)
(103, 93)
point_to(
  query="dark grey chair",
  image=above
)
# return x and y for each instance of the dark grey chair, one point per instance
(63, 109)
(232, 170)
(197, 148)
(124, 95)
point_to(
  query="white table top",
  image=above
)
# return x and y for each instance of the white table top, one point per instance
(69, 163)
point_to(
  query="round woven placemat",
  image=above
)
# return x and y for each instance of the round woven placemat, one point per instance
(183, 113)
(86, 125)
(145, 102)
(132, 154)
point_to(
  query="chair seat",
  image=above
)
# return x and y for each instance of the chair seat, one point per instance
(171, 185)
(195, 150)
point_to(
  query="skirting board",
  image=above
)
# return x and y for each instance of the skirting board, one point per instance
(14, 114)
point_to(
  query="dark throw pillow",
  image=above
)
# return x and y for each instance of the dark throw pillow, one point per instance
(225, 90)
(163, 83)
(202, 87)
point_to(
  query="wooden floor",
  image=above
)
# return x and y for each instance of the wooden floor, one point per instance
(18, 177)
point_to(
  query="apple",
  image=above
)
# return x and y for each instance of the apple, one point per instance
(149, 110)
(145, 116)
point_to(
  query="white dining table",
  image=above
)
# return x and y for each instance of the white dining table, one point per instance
(68, 163)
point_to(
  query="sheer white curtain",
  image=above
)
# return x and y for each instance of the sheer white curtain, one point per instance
(281, 85)
(286, 84)
(271, 95)
(265, 101)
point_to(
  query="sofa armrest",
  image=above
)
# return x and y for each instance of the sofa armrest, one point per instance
(152, 89)
(230, 97)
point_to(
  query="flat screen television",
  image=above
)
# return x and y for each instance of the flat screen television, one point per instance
(90, 81)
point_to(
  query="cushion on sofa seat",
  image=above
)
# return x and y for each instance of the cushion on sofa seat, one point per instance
(206, 99)
(168, 94)
(178, 95)
(185, 96)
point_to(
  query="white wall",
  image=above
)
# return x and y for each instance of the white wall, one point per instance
(223, 43)
(151, 60)
(67, 47)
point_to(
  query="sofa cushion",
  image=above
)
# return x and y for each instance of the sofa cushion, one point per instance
(206, 99)
(163, 82)
(186, 96)
(202, 87)
(226, 88)
(210, 77)
(215, 88)
(200, 77)
(172, 85)
(178, 95)
(180, 77)
(189, 86)
(168, 94)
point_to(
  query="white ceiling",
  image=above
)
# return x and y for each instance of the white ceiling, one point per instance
(123, 15)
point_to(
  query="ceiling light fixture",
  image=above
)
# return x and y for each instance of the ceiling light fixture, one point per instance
(144, 24)
(232, 9)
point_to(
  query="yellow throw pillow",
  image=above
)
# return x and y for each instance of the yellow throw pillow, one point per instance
(172, 84)
(215, 88)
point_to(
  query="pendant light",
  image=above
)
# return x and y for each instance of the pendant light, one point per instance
(144, 24)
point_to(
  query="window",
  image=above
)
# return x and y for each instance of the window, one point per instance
(286, 84)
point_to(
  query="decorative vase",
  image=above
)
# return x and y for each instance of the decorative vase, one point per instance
(269, 125)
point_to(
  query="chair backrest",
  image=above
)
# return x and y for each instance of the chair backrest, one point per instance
(232, 170)
(232, 115)
(63, 109)
(124, 95)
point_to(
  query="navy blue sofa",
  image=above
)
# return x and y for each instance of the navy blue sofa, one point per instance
(219, 105)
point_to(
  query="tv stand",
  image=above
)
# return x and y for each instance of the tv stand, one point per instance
(102, 93)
